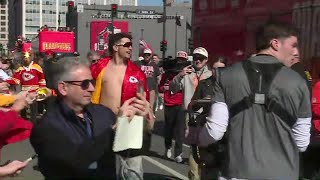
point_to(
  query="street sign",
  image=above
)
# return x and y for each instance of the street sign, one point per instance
(147, 12)
(80, 8)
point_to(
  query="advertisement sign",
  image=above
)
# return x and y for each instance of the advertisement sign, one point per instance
(100, 31)
(56, 41)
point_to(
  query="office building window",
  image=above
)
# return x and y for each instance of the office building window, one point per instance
(3, 23)
(3, 18)
(3, 36)
(3, 29)
(3, 11)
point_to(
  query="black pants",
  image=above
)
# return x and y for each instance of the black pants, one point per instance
(174, 127)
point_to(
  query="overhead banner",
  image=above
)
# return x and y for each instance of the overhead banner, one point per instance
(56, 41)
(100, 31)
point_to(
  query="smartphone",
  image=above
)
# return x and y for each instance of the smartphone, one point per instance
(140, 87)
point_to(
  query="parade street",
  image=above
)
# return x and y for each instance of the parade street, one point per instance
(155, 165)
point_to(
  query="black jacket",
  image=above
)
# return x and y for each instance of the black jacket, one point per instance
(66, 151)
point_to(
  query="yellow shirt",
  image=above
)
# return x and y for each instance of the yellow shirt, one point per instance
(6, 100)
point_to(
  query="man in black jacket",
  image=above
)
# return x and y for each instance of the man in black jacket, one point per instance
(74, 139)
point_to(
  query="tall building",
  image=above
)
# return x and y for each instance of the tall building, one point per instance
(4, 24)
(27, 16)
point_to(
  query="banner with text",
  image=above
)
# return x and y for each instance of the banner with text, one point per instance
(56, 41)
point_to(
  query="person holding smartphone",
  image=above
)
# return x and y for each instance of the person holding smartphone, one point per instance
(187, 81)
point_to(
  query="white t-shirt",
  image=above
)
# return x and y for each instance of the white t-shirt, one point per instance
(3, 75)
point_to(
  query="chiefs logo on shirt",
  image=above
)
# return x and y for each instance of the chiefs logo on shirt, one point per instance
(27, 76)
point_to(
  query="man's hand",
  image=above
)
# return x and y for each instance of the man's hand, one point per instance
(21, 103)
(12, 168)
(127, 109)
(186, 70)
(21, 95)
(4, 86)
(141, 105)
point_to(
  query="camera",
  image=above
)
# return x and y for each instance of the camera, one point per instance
(171, 65)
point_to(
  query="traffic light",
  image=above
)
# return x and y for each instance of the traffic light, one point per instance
(114, 10)
(163, 45)
(190, 43)
(70, 6)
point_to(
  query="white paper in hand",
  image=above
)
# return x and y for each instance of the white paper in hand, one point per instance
(128, 135)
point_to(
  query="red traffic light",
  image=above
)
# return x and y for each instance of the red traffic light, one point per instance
(114, 6)
(164, 42)
(70, 4)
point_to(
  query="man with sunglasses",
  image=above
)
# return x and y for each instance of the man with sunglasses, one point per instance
(187, 81)
(74, 139)
(93, 57)
(117, 80)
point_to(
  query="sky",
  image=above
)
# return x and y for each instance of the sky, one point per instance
(150, 2)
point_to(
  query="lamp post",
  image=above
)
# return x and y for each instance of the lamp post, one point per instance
(164, 27)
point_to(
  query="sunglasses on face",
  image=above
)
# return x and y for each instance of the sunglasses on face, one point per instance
(83, 84)
(147, 54)
(94, 61)
(201, 58)
(127, 44)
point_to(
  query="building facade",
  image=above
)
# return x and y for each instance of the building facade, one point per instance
(140, 26)
(4, 24)
(27, 16)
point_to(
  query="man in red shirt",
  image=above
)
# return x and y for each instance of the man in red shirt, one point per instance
(173, 112)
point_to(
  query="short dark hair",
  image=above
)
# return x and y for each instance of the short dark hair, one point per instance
(273, 30)
(115, 38)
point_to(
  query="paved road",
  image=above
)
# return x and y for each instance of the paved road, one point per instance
(156, 167)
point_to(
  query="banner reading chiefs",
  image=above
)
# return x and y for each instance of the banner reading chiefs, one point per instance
(56, 41)
(100, 31)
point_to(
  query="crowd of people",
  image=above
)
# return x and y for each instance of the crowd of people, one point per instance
(258, 110)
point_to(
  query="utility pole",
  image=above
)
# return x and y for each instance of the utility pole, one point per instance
(175, 35)
(164, 27)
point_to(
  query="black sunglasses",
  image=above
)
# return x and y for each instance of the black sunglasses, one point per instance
(94, 61)
(127, 44)
(147, 54)
(83, 84)
(198, 57)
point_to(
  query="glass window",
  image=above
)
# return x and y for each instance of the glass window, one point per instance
(3, 18)
(3, 11)
(3, 36)
(3, 29)
(3, 23)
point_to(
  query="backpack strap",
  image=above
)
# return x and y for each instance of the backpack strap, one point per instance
(260, 77)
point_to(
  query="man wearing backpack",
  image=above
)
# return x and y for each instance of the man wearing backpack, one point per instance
(266, 108)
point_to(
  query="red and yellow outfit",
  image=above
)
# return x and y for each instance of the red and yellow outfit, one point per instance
(131, 78)
(29, 77)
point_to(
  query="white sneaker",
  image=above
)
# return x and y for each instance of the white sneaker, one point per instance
(161, 107)
(179, 159)
(168, 153)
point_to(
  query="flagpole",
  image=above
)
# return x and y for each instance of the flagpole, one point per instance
(176, 34)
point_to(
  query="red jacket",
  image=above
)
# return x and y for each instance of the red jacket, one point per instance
(169, 98)
(316, 107)
(132, 75)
